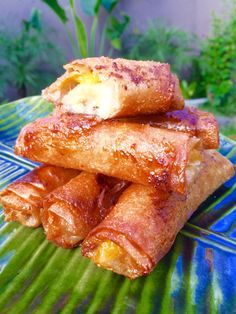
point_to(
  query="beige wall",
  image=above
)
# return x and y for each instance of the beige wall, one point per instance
(192, 15)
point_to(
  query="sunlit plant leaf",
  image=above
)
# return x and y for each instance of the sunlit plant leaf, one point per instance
(80, 29)
(90, 7)
(58, 9)
(116, 30)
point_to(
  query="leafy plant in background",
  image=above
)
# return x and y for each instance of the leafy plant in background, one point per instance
(218, 65)
(84, 44)
(165, 44)
(24, 59)
(188, 89)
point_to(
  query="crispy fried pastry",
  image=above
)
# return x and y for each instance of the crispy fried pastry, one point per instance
(72, 210)
(189, 120)
(115, 88)
(129, 151)
(143, 225)
(23, 199)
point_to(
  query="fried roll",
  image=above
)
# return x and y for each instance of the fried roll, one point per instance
(115, 88)
(23, 199)
(72, 210)
(143, 225)
(129, 151)
(190, 120)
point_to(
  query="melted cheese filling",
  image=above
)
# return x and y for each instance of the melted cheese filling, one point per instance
(91, 96)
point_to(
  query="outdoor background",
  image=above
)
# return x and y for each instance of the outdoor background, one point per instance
(197, 37)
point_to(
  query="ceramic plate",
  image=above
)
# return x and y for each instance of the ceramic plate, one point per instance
(197, 276)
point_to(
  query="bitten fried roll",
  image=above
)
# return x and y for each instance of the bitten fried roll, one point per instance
(72, 210)
(129, 151)
(23, 199)
(189, 120)
(143, 225)
(115, 88)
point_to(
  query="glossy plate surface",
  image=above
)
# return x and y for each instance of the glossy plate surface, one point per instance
(197, 276)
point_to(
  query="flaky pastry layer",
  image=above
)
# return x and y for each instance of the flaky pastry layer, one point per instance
(129, 151)
(74, 209)
(143, 225)
(23, 199)
(112, 88)
(188, 120)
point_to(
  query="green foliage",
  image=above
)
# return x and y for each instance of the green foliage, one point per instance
(25, 65)
(80, 31)
(57, 9)
(109, 5)
(164, 44)
(90, 7)
(229, 130)
(115, 30)
(188, 89)
(84, 43)
(218, 65)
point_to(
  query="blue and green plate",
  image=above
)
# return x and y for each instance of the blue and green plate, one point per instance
(197, 276)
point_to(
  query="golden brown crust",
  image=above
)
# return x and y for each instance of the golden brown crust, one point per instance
(72, 210)
(189, 120)
(145, 222)
(129, 151)
(22, 200)
(144, 87)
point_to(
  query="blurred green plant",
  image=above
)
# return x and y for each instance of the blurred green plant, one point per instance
(84, 43)
(25, 62)
(165, 44)
(229, 130)
(218, 64)
(188, 89)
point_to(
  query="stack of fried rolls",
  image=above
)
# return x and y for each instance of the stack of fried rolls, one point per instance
(125, 165)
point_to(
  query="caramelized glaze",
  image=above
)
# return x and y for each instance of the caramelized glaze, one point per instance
(129, 151)
(22, 200)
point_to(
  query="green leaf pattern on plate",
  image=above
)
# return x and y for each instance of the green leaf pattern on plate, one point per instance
(197, 275)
